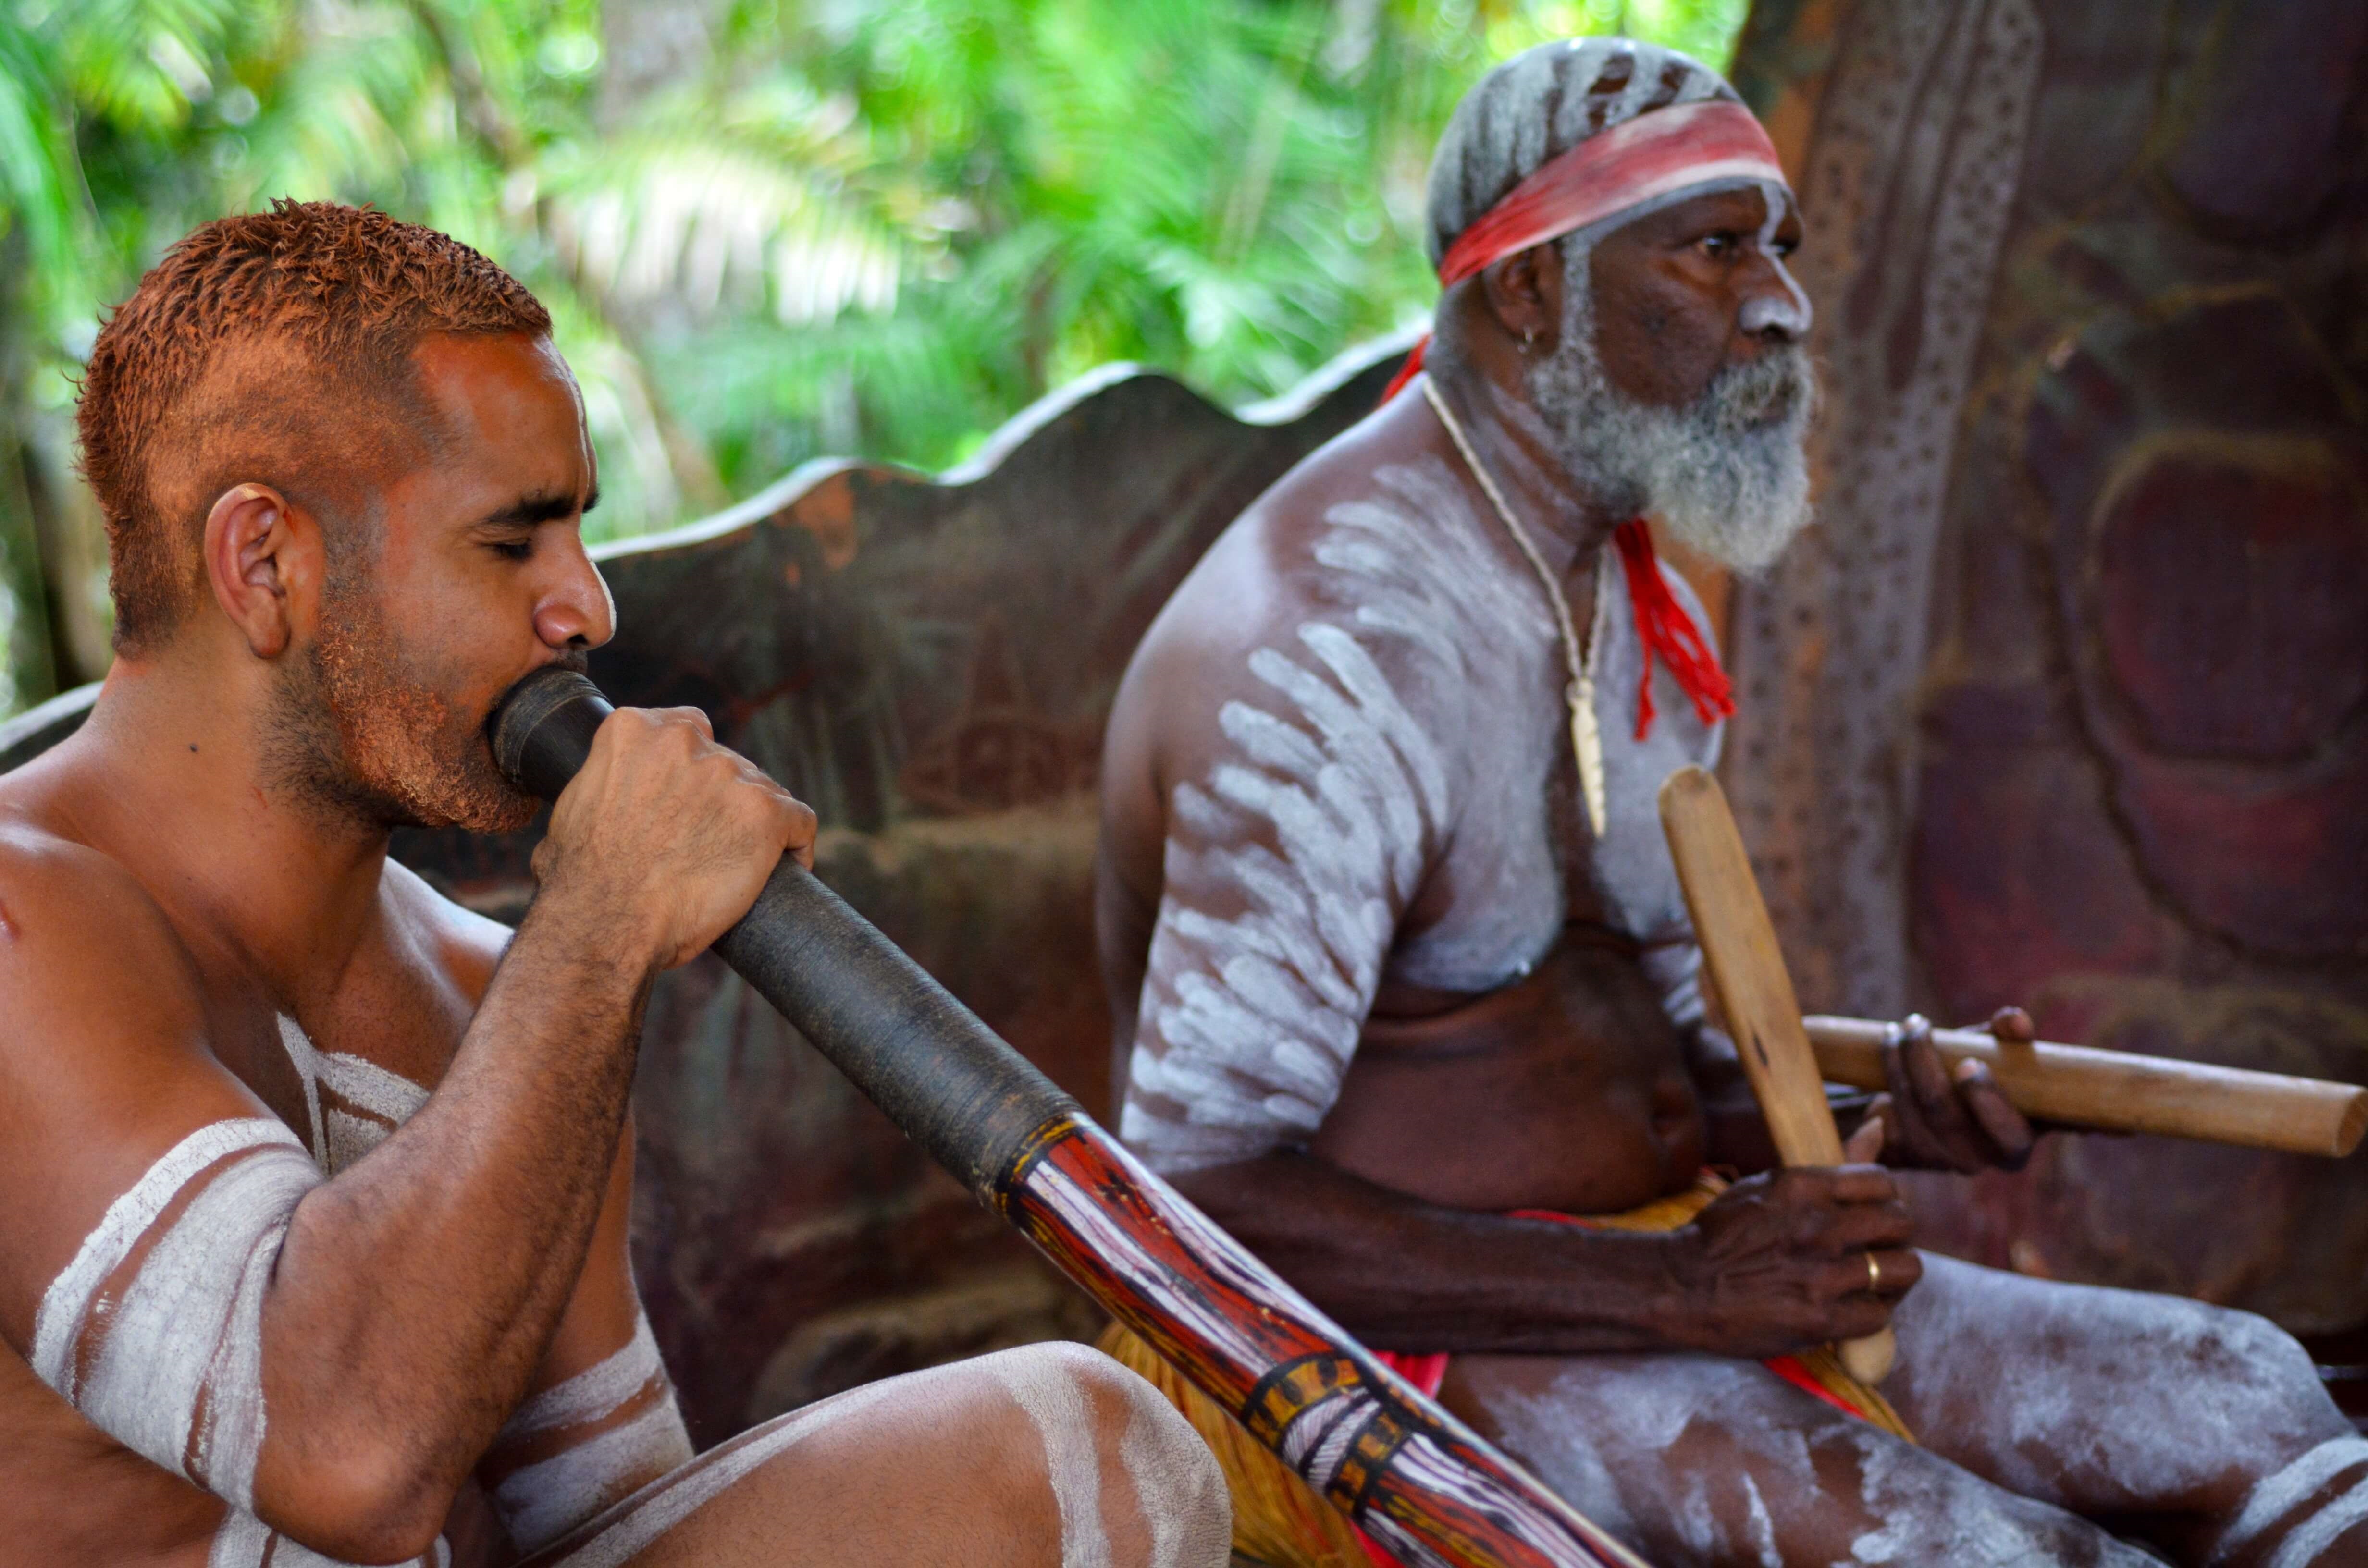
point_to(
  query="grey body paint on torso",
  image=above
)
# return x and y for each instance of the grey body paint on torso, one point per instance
(1410, 730)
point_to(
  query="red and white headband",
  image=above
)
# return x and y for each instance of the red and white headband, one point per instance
(1653, 156)
(1659, 154)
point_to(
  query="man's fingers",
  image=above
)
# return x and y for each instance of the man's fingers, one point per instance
(1927, 1074)
(1855, 1317)
(2011, 1025)
(2008, 1132)
(694, 717)
(1865, 1145)
(1812, 1185)
(1879, 1227)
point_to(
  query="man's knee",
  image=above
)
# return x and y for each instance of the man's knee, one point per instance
(1117, 1451)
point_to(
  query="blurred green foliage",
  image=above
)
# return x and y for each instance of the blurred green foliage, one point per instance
(767, 229)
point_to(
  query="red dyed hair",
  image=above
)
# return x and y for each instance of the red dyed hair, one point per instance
(350, 291)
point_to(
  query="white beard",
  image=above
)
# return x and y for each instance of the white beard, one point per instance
(1728, 476)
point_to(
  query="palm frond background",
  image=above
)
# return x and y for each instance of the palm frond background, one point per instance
(766, 229)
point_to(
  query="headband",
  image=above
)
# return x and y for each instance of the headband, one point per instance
(1648, 160)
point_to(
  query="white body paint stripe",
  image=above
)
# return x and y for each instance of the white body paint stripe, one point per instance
(189, 1323)
(1190, 1515)
(59, 1323)
(366, 1085)
(637, 1522)
(2309, 1540)
(1048, 1395)
(307, 1063)
(2276, 1495)
(543, 1501)
(594, 1391)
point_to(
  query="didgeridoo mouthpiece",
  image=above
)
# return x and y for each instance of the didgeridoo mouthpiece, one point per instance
(542, 730)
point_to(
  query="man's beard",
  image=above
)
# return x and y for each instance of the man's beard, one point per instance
(1727, 476)
(363, 729)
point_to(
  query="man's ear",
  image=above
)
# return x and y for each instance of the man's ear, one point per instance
(1524, 292)
(265, 561)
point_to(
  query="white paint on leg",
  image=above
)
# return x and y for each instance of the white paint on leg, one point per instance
(2311, 1538)
(1049, 1394)
(2276, 1495)
(629, 1527)
(1177, 1481)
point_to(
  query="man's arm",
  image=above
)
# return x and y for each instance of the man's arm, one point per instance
(1771, 1267)
(599, 1419)
(1301, 825)
(338, 1354)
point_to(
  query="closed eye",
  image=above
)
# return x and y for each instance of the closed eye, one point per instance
(512, 549)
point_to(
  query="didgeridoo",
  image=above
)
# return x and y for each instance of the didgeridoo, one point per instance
(1416, 1479)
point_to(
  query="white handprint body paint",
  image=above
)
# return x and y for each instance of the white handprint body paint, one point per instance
(1407, 729)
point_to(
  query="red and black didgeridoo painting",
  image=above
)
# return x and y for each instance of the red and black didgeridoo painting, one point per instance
(1416, 1479)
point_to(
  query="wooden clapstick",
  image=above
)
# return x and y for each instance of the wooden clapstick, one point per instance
(2121, 1092)
(1745, 966)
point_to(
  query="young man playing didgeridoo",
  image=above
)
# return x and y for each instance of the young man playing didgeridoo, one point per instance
(317, 1184)
(1406, 982)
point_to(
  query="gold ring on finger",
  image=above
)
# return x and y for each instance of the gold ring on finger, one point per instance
(1874, 1275)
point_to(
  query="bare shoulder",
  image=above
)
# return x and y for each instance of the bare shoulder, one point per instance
(108, 1059)
(85, 951)
(463, 947)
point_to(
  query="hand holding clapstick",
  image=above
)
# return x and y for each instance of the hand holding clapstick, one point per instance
(1747, 968)
(2113, 1091)
(1411, 1475)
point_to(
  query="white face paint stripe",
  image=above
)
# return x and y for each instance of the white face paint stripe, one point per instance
(542, 1501)
(1804, 315)
(2278, 1494)
(59, 1322)
(173, 1337)
(598, 1391)
(1048, 1395)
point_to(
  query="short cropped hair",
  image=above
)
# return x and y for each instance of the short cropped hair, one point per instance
(347, 293)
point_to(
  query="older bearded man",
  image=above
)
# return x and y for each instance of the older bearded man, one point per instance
(1405, 981)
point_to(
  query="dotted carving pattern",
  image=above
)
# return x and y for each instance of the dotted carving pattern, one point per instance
(1918, 156)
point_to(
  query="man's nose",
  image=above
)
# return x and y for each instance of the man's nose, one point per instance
(1776, 309)
(576, 610)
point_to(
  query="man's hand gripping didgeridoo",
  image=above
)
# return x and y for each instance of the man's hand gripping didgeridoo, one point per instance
(667, 837)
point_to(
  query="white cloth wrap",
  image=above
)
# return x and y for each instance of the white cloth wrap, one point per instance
(542, 1501)
(186, 1329)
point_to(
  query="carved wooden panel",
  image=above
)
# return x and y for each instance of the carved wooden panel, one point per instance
(2067, 703)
